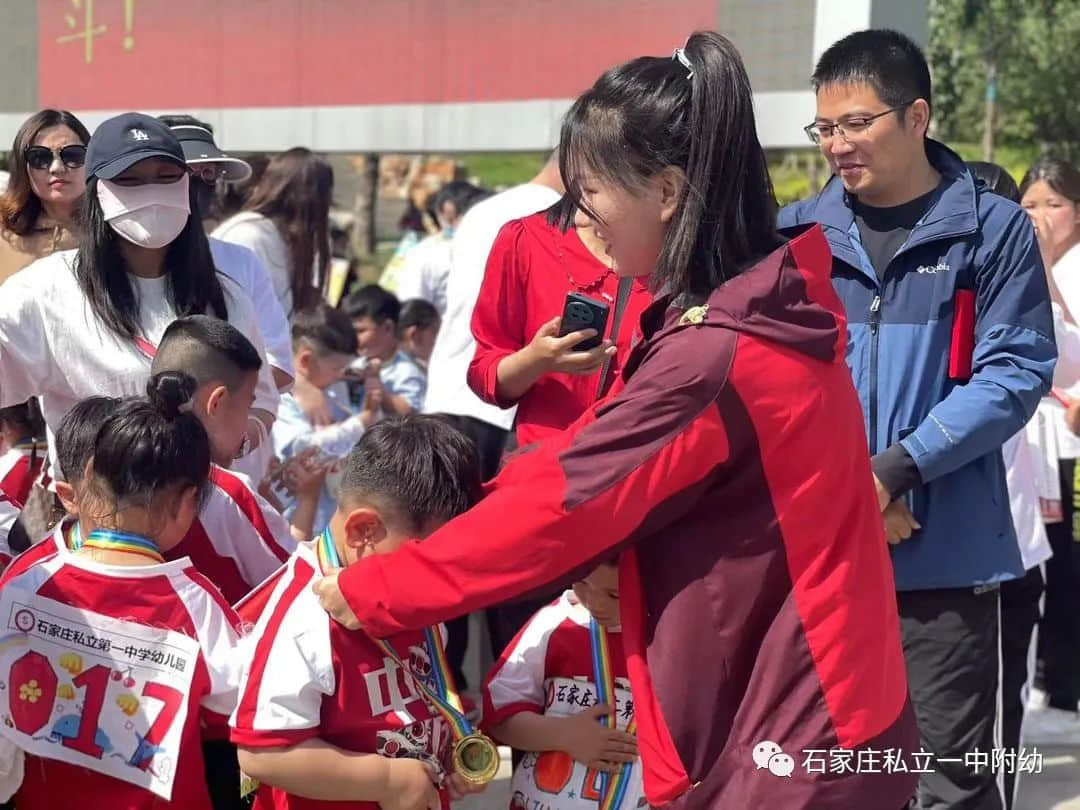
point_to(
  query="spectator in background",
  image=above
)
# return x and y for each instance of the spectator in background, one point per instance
(418, 328)
(417, 223)
(47, 182)
(427, 266)
(1019, 597)
(374, 313)
(1051, 196)
(286, 221)
(448, 388)
(950, 344)
(520, 358)
(208, 164)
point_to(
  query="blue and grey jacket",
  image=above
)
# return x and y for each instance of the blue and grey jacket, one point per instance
(899, 338)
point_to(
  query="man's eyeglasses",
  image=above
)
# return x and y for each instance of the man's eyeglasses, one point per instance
(41, 157)
(820, 131)
(209, 173)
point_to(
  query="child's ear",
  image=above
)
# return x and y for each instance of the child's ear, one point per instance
(303, 360)
(364, 527)
(66, 493)
(216, 399)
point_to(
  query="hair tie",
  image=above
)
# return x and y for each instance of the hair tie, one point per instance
(684, 60)
(186, 407)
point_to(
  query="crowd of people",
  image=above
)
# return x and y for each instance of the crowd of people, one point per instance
(801, 491)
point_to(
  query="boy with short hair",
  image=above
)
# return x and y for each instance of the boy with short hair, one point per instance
(238, 539)
(326, 714)
(324, 344)
(374, 313)
(542, 697)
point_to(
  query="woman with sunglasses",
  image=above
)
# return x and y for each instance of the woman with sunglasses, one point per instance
(46, 184)
(86, 322)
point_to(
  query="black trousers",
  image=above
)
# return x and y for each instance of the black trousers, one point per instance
(1058, 670)
(1019, 615)
(951, 648)
(490, 443)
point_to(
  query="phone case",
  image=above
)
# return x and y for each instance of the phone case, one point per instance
(962, 346)
(582, 312)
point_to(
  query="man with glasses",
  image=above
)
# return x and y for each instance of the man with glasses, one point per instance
(950, 344)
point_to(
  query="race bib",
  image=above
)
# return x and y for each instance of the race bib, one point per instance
(103, 693)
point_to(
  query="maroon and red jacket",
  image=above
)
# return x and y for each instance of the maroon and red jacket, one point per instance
(730, 466)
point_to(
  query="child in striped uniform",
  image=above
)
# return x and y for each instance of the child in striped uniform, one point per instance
(554, 693)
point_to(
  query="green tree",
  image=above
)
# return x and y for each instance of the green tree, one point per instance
(1007, 72)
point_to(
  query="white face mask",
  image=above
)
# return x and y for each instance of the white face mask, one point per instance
(151, 215)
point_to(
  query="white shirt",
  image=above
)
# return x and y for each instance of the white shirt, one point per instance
(426, 272)
(243, 266)
(52, 345)
(258, 233)
(448, 391)
(1020, 459)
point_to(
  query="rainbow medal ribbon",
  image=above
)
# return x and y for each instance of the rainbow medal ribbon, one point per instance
(612, 790)
(106, 540)
(475, 756)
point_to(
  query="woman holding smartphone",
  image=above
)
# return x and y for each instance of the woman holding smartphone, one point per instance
(520, 357)
(756, 597)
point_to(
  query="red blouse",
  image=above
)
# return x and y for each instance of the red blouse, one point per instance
(531, 268)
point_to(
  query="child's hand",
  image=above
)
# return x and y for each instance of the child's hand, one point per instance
(460, 788)
(410, 785)
(599, 747)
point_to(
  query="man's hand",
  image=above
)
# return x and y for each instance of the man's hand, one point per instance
(900, 524)
(599, 747)
(883, 495)
(333, 602)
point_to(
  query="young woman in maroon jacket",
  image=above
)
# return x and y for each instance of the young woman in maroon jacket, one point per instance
(726, 465)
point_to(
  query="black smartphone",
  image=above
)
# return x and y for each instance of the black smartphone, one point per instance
(582, 312)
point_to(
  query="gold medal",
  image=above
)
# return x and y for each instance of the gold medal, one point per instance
(476, 759)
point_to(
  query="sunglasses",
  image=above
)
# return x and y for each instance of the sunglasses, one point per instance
(41, 157)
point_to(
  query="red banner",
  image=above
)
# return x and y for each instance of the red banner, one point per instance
(158, 54)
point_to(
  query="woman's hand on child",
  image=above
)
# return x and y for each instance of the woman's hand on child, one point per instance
(333, 602)
(596, 745)
(313, 403)
(556, 354)
(410, 785)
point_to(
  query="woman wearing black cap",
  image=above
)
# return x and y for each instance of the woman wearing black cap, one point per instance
(86, 321)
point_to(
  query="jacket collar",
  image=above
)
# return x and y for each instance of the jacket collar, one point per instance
(953, 213)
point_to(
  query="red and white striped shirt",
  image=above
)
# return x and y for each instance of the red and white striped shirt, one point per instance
(308, 677)
(19, 466)
(548, 669)
(237, 540)
(171, 595)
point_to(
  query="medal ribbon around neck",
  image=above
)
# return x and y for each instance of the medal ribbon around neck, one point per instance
(612, 790)
(106, 540)
(443, 698)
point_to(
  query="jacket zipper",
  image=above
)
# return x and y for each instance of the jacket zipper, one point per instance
(875, 321)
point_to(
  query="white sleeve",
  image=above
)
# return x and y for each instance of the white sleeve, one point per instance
(242, 316)
(516, 682)
(1067, 335)
(9, 513)
(412, 281)
(289, 667)
(27, 365)
(253, 235)
(273, 324)
(215, 626)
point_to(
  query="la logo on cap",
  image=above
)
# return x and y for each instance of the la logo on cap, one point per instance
(139, 135)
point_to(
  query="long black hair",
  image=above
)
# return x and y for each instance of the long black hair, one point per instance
(648, 114)
(150, 444)
(192, 284)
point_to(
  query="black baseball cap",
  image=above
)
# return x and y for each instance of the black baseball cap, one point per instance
(200, 149)
(121, 142)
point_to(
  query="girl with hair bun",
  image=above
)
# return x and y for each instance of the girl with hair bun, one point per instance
(144, 484)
